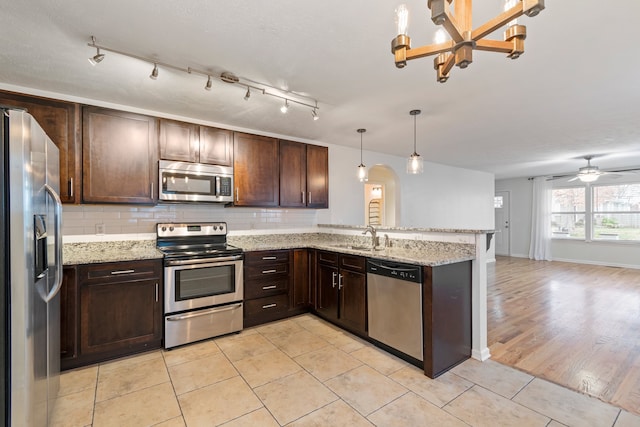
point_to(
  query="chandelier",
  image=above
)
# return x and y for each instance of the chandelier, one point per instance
(464, 39)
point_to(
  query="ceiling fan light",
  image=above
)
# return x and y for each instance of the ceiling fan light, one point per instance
(588, 177)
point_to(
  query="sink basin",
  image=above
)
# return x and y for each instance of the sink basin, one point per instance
(358, 248)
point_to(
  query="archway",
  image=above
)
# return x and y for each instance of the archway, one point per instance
(382, 197)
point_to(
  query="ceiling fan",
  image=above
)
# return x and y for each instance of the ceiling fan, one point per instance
(588, 173)
(591, 173)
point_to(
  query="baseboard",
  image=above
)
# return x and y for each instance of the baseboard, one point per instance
(489, 261)
(481, 355)
(605, 264)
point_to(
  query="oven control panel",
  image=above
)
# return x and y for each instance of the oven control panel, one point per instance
(192, 229)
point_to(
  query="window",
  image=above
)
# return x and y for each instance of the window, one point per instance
(597, 212)
(616, 212)
(568, 213)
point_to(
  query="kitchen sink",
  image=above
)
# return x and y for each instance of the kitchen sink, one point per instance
(359, 248)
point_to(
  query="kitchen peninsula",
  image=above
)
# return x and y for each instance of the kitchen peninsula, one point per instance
(431, 249)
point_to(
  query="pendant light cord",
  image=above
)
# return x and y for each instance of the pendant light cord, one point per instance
(414, 134)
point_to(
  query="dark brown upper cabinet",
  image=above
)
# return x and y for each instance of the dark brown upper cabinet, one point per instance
(304, 175)
(255, 170)
(119, 157)
(61, 122)
(187, 142)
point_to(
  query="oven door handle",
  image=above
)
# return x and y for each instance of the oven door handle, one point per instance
(202, 260)
(203, 313)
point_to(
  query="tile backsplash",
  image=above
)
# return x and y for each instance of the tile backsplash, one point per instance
(136, 219)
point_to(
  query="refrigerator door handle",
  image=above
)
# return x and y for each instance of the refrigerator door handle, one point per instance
(57, 218)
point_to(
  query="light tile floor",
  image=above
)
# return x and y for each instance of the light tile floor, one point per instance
(306, 372)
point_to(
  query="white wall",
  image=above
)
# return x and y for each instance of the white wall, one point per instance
(618, 254)
(441, 197)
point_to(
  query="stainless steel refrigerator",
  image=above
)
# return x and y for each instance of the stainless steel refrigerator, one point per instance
(31, 270)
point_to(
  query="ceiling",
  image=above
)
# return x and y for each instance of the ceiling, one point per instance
(575, 91)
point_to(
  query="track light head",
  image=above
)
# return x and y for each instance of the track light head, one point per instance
(314, 113)
(208, 85)
(247, 95)
(154, 73)
(285, 107)
(98, 57)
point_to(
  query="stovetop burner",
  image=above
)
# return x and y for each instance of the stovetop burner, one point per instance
(194, 240)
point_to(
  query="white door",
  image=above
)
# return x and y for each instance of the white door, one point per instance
(502, 236)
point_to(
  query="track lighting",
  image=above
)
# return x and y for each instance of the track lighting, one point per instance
(98, 57)
(227, 77)
(154, 73)
(362, 169)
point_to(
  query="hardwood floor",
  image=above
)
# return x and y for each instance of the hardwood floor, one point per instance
(573, 324)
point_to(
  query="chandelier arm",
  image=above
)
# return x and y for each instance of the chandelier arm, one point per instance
(497, 22)
(428, 50)
(453, 28)
(448, 64)
(494, 46)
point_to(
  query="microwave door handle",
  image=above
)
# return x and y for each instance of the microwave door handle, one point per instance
(217, 178)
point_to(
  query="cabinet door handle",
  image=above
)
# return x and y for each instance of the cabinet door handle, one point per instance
(70, 187)
(264, 307)
(237, 194)
(269, 257)
(116, 272)
(340, 285)
(333, 279)
(156, 292)
(268, 271)
(309, 197)
(265, 288)
(151, 188)
(303, 201)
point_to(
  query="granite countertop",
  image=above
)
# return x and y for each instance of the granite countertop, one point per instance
(419, 252)
(110, 251)
(428, 253)
(410, 229)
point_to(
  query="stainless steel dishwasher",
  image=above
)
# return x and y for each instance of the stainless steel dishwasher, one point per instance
(394, 298)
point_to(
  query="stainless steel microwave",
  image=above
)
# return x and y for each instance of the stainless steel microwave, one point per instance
(195, 182)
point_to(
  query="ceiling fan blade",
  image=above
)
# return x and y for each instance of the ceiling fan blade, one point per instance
(573, 179)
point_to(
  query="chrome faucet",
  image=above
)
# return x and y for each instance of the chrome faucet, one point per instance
(370, 229)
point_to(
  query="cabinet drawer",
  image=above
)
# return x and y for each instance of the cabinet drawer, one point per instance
(263, 306)
(263, 288)
(260, 257)
(325, 257)
(265, 271)
(352, 262)
(120, 271)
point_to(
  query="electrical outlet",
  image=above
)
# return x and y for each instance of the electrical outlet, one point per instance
(100, 228)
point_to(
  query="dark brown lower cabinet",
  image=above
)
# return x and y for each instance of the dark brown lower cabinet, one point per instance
(119, 310)
(342, 290)
(267, 278)
(299, 294)
(446, 316)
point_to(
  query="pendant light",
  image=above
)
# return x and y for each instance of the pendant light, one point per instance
(362, 169)
(415, 164)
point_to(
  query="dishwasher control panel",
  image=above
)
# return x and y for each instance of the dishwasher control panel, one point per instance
(400, 271)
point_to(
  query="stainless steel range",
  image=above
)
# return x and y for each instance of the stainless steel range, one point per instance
(203, 284)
